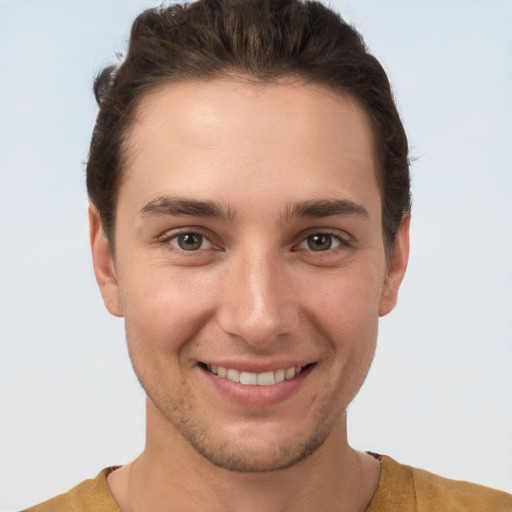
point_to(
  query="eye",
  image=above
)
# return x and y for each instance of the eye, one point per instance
(319, 242)
(190, 241)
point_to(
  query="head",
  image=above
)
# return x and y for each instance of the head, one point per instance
(262, 41)
(249, 182)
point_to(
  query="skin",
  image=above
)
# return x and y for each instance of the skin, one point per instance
(254, 291)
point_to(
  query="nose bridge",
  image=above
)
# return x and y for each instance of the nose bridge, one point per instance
(258, 303)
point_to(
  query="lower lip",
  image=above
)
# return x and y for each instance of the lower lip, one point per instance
(257, 396)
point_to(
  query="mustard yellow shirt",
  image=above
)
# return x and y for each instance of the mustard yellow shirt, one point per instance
(401, 489)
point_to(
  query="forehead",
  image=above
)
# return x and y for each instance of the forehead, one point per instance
(280, 139)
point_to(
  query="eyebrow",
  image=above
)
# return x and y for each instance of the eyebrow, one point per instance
(175, 206)
(324, 208)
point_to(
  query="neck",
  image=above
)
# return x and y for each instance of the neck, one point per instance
(171, 475)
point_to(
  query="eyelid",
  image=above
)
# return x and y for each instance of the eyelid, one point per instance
(342, 237)
(173, 234)
(204, 241)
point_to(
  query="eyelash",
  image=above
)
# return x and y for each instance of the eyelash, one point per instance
(335, 237)
(167, 240)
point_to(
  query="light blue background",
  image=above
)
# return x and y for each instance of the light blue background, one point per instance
(439, 395)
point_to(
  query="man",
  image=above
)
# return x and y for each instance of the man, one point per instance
(250, 208)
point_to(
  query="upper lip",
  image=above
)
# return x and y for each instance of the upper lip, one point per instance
(258, 366)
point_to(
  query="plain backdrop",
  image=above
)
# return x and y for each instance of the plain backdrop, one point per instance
(439, 395)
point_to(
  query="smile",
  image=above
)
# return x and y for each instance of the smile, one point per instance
(268, 378)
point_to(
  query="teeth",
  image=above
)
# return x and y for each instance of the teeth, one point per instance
(279, 376)
(233, 375)
(248, 378)
(255, 379)
(290, 373)
(266, 379)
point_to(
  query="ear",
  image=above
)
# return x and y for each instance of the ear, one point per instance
(103, 263)
(396, 268)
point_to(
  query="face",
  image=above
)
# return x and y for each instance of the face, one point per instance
(250, 264)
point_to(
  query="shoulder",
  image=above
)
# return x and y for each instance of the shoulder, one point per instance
(457, 495)
(403, 487)
(92, 495)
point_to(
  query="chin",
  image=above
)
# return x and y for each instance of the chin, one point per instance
(252, 446)
(244, 456)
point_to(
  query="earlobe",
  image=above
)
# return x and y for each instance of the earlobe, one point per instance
(103, 263)
(396, 268)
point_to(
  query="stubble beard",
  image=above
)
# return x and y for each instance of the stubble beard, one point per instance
(236, 454)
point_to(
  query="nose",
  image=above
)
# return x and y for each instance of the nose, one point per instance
(258, 301)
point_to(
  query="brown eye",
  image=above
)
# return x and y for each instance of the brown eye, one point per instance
(190, 241)
(320, 242)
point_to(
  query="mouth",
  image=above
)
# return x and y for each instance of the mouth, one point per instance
(267, 378)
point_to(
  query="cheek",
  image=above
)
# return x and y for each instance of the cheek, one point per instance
(347, 314)
(346, 303)
(163, 309)
(350, 316)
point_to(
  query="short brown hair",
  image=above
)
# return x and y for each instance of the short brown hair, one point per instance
(262, 39)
